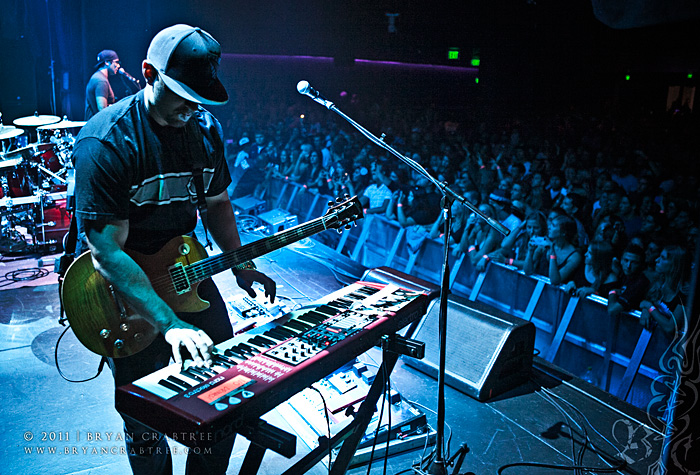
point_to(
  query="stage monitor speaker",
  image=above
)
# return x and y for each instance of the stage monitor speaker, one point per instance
(488, 351)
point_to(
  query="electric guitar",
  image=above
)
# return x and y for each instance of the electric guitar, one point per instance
(105, 324)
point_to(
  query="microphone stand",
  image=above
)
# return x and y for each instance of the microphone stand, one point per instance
(439, 465)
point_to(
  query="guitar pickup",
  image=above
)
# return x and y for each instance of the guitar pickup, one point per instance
(178, 276)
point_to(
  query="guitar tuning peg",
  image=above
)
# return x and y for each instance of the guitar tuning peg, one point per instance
(346, 196)
(339, 199)
(331, 203)
(340, 230)
(348, 226)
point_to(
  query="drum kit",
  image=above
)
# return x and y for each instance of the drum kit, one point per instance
(34, 182)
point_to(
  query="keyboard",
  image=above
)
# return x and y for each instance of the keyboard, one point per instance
(255, 371)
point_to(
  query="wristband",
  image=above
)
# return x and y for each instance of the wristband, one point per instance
(247, 265)
(651, 309)
(486, 257)
(510, 261)
(612, 292)
(471, 248)
(552, 257)
(399, 205)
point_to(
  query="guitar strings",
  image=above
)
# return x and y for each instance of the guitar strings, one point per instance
(206, 267)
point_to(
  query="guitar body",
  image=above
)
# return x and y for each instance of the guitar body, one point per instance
(103, 322)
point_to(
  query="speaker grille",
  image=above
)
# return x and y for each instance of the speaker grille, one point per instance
(488, 351)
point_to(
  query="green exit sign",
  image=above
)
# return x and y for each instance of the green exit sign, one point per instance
(453, 54)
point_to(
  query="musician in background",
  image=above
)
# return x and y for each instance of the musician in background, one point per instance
(98, 92)
(135, 189)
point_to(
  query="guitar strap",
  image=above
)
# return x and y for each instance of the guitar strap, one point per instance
(197, 175)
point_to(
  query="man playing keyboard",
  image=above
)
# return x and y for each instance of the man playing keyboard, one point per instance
(136, 188)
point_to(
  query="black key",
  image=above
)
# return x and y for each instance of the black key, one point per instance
(274, 335)
(171, 386)
(290, 329)
(253, 351)
(261, 342)
(285, 332)
(270, 343)
(193, 375)
(327, 309)
(223, 361)
(312, 317)
(200, 371)
(297, 325)
(233, 351)
(176, 380)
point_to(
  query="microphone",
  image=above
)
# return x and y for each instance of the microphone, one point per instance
(305, 88)
(127, 75)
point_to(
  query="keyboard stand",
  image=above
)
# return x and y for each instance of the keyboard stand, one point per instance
(263, 436)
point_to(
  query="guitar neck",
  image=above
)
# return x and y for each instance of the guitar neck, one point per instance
(206, 268)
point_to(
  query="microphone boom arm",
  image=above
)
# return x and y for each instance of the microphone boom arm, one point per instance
(304, 88)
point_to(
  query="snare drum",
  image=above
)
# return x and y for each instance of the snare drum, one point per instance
(15, 178)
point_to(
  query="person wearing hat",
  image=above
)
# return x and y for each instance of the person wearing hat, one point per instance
(501, 203)
(98, 92)
(138, 166)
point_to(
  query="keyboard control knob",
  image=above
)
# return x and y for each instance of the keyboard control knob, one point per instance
(105, 333)
(119, 344)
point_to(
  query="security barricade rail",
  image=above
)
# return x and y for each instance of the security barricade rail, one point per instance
(615, 354)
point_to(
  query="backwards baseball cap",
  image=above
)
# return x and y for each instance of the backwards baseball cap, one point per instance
(187, 58)
(106, 55)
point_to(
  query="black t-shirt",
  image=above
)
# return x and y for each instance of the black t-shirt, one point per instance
(425, 209)
(130, 168)
(634, 290)
(98, 85)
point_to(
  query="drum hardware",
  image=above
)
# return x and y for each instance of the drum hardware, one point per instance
(11, 240)
(28, 152)
(34, 179)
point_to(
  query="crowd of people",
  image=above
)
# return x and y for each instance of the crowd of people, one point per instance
(596, 204)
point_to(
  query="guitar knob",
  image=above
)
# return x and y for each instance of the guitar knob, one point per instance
(105, 333)
(118, 344)
(138, 336)
(124, 327)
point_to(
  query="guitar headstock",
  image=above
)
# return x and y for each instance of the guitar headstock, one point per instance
(342, 213)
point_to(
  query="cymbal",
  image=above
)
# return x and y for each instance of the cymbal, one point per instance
(36, 120)
(64, 124)
(29, 151)
(8, 132)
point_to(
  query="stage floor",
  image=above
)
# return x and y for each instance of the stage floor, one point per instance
(58, 427)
